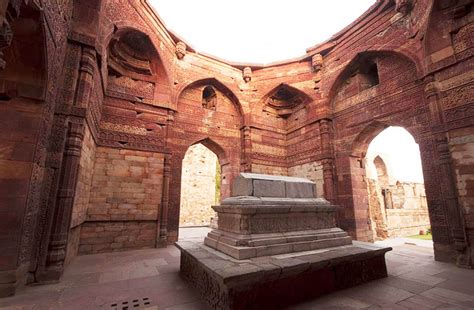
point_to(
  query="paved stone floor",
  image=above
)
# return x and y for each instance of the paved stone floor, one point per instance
(149, 279)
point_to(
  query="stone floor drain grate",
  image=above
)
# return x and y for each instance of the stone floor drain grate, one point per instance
(131, 304)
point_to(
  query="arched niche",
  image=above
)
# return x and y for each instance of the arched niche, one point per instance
(284, 101)
(209, 97)
(208, 87)
(134, 67)
(369, 75)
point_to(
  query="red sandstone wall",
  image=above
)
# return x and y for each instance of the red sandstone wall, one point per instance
(312, 171)
(99, 237)
(462, 147)
(126, 193)
(84, 182)
(425, 71)
(83, 190)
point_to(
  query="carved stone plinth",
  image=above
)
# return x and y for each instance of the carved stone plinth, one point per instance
(273, 239)
(271, 215)
(273, 282)
(253, 227)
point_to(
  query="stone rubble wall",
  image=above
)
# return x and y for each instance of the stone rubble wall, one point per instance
(198, 186)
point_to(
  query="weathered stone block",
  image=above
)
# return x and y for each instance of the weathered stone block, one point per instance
(260, 185)
(275, 281)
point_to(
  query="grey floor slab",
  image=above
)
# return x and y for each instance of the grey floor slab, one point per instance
(415, 281)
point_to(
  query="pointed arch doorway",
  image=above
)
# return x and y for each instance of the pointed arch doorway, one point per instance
(395, 186)
(200, 186)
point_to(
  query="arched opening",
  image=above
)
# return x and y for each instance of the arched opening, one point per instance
(396, 193)
(200, 187)
(209, 97)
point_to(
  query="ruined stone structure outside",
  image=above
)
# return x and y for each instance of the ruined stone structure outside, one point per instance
(397, 208)
(99, 103)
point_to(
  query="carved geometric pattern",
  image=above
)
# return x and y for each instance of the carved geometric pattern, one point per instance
(458, 97)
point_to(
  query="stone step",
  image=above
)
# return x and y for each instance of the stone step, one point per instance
(246, 252)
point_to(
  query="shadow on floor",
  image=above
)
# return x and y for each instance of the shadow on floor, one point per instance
(150, 279)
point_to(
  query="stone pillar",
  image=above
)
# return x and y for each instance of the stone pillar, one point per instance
(168, 177)
(162, 238)
(328, 175)
(453, 210)
(86, 77)
(246, 162)
(71, 126)
(328, 161)
(432, 99)
(64, 204)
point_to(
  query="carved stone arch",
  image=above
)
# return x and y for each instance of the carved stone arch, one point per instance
(283, 100)
(162, 68)
(381, 169)
(363, 139)
(216, 148)
(366, 135)
(220, 86)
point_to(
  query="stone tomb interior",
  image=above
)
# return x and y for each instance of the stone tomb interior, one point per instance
(100, 104)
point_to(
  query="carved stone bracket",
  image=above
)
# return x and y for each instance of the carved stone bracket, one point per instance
(317, 62)
(247, 74)
(180, 50)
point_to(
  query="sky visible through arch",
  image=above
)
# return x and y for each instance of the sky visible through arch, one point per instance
(257, 31)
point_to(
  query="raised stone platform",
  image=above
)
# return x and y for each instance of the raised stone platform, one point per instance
(276, 244)
(275, 281)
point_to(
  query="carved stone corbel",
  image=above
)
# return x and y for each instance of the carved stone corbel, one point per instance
(247, 74)
(317, 62)
(180, 50)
